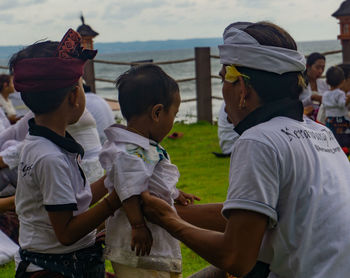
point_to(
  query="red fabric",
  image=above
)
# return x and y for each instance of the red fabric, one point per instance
(46, 74)
(52, 73)
(68, 45)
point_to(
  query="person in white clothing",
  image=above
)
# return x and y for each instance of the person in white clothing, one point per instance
(288, 200)
(6, 88)
(311, 96)
(135, 162)
(57, 234)
(18, 104)
(336, 105)
(101, 112)
(227, 135)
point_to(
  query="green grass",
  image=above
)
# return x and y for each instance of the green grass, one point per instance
(201, 174)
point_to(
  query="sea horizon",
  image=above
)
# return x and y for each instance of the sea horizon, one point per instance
(150, 45)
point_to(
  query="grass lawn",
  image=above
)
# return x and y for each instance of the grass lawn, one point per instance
(201, 174)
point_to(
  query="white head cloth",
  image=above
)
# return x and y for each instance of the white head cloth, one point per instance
(241, 49)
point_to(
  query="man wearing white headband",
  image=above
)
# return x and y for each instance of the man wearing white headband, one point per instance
(288, 201)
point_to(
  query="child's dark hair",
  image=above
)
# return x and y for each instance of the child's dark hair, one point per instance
(4, 78)
(268, 85)
(40, 102)
(335, 76)
(142, 87)
(346, 69)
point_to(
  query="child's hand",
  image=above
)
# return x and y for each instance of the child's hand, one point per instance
(186, 198)
(141, 240)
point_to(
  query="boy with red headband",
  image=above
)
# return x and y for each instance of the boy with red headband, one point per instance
(57, 228)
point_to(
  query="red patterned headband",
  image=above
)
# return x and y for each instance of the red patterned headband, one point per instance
(52, 73)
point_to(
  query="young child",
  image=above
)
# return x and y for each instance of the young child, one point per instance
(6, 88)
(149, 100)
(335, 103)
(57, 228)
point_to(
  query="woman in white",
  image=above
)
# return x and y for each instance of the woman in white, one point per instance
(316, 86)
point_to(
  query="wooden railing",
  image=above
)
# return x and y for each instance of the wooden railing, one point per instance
(202, 77)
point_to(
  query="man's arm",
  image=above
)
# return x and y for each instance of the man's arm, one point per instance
(205, 216)
(235, 250)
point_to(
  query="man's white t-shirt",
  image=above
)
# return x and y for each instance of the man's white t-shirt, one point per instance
(296, 174)
(49, 179)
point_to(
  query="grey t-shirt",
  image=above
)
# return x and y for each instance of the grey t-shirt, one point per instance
(296, 174)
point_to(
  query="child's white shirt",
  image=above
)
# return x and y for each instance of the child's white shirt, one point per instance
(334, 103)
(49, 179)
(135, 164)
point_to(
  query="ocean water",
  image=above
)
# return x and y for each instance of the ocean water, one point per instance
(187, 110)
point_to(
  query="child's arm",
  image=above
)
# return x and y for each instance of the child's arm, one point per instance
(186, 198)
(7, 204)
(141, 237)
(69, 228)
(98, 190)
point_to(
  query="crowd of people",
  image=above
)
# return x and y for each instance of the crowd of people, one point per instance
(68, 170)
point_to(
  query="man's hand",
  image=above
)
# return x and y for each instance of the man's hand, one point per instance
(157, 210)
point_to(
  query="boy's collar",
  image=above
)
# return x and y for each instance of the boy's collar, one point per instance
(119, 134)
(67, 143)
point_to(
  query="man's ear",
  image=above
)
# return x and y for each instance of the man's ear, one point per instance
(244, 92)
(73, 97)
(155, 112)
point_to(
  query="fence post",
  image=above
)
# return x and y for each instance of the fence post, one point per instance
(89, 75)
(203, 84)
(87, 36)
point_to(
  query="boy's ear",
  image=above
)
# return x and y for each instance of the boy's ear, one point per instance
(155, 112)
(73, 96)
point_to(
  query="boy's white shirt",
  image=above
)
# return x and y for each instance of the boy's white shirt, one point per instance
(48, 175)
(334, 103)
(132, 166)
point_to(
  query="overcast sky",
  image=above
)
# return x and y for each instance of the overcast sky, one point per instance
(26, 21)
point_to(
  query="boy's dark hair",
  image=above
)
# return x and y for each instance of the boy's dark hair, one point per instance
(335, 76)
(268, 85)
(142, 87)
(4, 78)
(346, 69)
(40, 102)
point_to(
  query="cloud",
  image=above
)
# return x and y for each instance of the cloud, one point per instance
(131, 9)
(11, 4)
